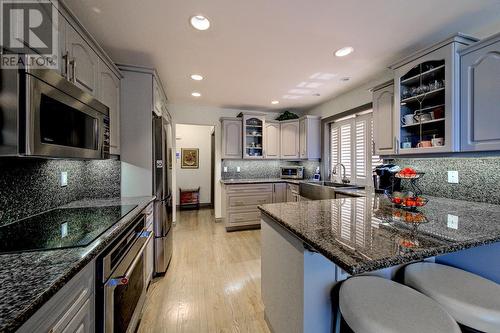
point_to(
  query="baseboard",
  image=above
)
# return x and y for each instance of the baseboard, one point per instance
(219, 220)
(201, 205)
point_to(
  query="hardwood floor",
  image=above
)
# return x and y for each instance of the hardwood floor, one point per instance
(212, 284)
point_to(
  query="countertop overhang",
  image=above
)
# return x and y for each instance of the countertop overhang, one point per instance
(362, 234)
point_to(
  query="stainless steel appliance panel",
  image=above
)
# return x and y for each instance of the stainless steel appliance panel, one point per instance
(45, 115)
(292, 172)
(163, 207)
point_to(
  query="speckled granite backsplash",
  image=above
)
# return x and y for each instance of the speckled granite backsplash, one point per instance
(263, 168)
(31, 186)
(479, 177)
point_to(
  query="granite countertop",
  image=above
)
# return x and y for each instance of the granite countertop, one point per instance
(235, 181)
(362, 234)
(29, 279)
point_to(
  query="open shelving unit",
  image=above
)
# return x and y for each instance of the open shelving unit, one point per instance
(253, 128)
(423, 96)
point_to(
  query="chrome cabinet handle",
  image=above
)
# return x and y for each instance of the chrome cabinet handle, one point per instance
(66, 65)
(72, 63)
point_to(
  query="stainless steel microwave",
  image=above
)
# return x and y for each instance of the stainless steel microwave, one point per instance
(292, 172)
(44, 115)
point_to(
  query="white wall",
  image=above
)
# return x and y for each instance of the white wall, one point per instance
(203, 115)
(194, 136)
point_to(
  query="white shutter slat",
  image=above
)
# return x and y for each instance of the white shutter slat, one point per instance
(345, 148)
(360, 148)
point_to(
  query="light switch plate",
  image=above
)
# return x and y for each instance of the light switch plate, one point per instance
(452, 221)
(225, 169)
(238, 169)
(453, 177)
(64, 178)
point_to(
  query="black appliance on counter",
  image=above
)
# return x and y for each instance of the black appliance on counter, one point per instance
(384, 178)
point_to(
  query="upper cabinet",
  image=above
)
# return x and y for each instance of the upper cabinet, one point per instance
(109, 94)
(272, 146)
(290, 146)
(426, 100)
(232, 129)
(310, 137)
(383, 119)
(253, 135)
(480, 96)
(82, 70)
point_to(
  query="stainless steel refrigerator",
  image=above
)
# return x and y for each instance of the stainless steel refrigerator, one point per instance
(162, 182)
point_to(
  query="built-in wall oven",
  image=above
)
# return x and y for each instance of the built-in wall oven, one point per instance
(44, 115)
(121, 280)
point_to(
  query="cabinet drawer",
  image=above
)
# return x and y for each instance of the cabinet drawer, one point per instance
(246, 188)
(243, 218)
(249, 200)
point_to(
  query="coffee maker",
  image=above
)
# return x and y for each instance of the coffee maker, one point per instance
(384, 178)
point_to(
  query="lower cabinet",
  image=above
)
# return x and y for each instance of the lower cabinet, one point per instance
(148, 272)
(240, 202)
(71, 309)
(292, 193)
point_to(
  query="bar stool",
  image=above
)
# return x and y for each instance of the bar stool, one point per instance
(371, 304)
(473, 301)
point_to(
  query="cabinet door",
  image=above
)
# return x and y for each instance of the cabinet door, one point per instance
(109, 95)
(81, 323)
(383, 120)
(231, 139)
(279, 192)
(303, 138)
(272, 140)
(290, 140)
(480, 99)
(83, 64)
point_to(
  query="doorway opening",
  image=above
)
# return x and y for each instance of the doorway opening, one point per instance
(195, 165)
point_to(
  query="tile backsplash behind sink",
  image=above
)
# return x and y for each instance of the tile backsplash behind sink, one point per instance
(31, 186)
(479, 177)
(263, 168)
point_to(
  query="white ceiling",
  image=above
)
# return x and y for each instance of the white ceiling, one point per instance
(258, 50)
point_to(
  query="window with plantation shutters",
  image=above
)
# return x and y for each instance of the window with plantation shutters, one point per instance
(351, 143)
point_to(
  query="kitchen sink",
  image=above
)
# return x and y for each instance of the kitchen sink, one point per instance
(323, 190)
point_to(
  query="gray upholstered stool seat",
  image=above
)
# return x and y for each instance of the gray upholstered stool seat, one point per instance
(374, 305)
(472, 300)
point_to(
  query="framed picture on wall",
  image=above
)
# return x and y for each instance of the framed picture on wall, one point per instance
(189, 158)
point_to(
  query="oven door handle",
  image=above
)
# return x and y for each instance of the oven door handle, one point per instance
(125, 278)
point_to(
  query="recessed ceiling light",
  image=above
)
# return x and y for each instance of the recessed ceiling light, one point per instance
(197, 77)
(344, 51)
(96, 10)
(195, 94)
(345, 79)
(275, 102)
(199, 22)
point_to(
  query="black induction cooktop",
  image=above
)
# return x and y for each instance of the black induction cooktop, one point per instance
(60, 228)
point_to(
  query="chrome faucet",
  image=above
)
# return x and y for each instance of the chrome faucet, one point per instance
(334, 172)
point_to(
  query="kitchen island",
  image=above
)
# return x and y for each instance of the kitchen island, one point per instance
(308, 246)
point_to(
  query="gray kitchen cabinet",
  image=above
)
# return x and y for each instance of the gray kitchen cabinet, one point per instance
(279, 192)
(309, 137)
(480, 95)
(292, 193)
(272, 146)
(109, 95)
(290, 146)
(83, 62)
(426, 100)
(157, 98)
(232, 135)
(149, 252)
(71, 309)
(253, 135)
(383, 119)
